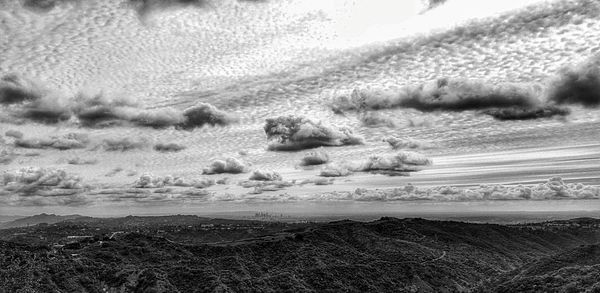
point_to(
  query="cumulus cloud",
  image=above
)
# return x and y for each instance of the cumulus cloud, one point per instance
(317, 157)
(14, 134)
(39, 181)
(264, 186)
(265, 176)
(406, 143)
(205, 114)
(102, 109)
(554, 188)
(158, 118)
(443, 94)
(25, 99)
(151, 181)
(123, 144)
(50, 109)
(15, 89)
(574, 84)
(577, 84)
(65, 142)
(547, 111)
(292, 133)
(168, 147)
(399, 164)
(229, 165)
(464, 94)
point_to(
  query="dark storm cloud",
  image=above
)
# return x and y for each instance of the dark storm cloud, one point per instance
(94, 109)
(46, 111)
(26, 100)
(101, 110)
(514, 113)
(443, 94)
(576, 84)
(15, 89)
(573, 84)
(205, 114)
(293, 133)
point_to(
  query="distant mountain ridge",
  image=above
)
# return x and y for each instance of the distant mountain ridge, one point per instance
(128, 221)
(38, 219)
(4, 219)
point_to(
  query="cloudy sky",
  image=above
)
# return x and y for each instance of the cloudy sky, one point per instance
(154, 107)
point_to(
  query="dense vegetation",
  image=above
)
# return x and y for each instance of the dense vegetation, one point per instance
(388, 255)
(575, 270)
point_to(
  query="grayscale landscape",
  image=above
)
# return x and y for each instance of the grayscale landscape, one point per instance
(299, 146)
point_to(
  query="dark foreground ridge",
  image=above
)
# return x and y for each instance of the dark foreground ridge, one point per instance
(193, 254)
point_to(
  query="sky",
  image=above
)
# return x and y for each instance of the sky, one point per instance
(145, 101)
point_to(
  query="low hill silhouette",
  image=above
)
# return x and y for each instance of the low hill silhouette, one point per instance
(387, 255)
